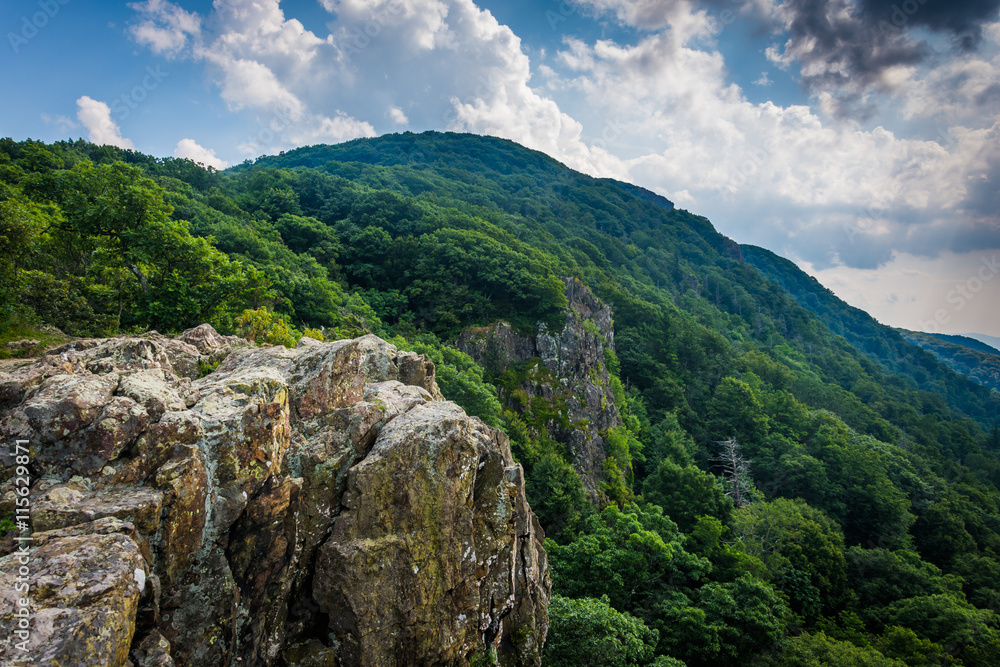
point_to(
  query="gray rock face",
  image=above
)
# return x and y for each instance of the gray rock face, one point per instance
(566, 370)
(314, 506)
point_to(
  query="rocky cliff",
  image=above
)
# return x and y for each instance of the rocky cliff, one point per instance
(315, 506)
(558, 381)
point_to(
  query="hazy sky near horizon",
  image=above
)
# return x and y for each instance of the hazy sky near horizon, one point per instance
(859, 138)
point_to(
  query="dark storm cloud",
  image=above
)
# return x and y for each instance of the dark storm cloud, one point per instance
(962, 18)
(839, 47)
(846, 48)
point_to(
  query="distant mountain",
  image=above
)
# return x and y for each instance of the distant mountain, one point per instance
(879, 342)
(965, 341)
(992, 341)
(963, 355)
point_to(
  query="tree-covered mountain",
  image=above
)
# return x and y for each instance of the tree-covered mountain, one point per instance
(966, 341)
(868, 524)
(966, 356)
(881, 343)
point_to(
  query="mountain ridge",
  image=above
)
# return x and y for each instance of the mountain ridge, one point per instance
(774, 452)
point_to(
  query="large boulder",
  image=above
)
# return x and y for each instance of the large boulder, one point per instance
(318, 505)
(426, 534)
(83, 592)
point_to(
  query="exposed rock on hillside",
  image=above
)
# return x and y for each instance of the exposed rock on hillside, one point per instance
(562, 381)
(322, 505)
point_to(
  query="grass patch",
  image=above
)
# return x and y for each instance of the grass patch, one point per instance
(48, 337)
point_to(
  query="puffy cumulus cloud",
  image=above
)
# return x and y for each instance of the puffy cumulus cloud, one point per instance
(95, 116)
(964, 90)
(426, 22)
(453, 66)
(323, 129)
(163, 26)
(498, 100)
(262, 62)
(251, 84)
(449, 63)
(829, 193)
(192, 150)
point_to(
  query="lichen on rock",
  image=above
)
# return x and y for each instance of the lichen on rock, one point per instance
(251, 515)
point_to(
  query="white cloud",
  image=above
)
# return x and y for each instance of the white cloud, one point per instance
(163, 26)
(249, 83)
(449, 63)
(658, 112)
(95, 116)
(763, 80)
(192, 150)
(777, 176)
(323, 129)
(398, 116)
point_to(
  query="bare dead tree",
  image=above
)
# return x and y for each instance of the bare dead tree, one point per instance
(736, 469)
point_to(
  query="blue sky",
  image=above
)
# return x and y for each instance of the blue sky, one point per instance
(860, 138)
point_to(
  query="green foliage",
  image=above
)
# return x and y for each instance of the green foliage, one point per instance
(315, 334)
(101, 253)
(875, 521)
(22, 223)
(17, 328)
(588, 632)
(948, 620)
(819, 650)
(459, 377)
(966, 356)
(686, 493)
(628, 555)
(557, 496)
(802, 550)
(904, 645)
(741, 619)
(262, 327)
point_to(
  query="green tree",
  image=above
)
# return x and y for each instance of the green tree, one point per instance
(721, 623)
(686, 493)
(557, 496)
(819, 650)
(590, 633)
(21, 225)
(630, 555)
(802, 549)
(736, 411)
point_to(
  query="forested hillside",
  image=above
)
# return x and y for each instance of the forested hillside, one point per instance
(852, 518)
(966, 356)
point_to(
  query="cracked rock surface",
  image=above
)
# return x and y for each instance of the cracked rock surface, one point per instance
(319, 505)
(566, 371)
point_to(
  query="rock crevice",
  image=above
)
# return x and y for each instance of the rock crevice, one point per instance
(319, 505)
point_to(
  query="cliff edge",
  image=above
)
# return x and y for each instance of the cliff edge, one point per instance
(312, 506)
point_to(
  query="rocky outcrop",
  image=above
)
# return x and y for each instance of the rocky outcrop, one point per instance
(562, 382)
(312, 506)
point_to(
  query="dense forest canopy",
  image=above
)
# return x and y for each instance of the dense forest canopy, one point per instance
(866, 527)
